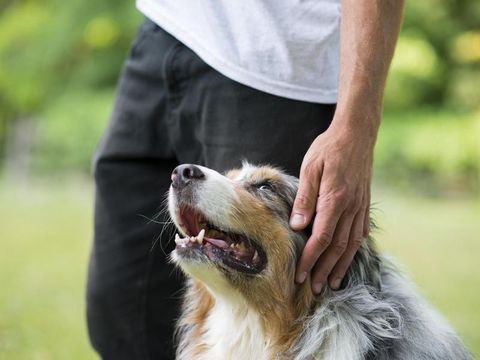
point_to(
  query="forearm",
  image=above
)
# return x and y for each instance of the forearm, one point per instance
(335, 177)
(369, 31)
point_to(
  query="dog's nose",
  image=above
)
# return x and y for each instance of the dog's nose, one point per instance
(183, 174)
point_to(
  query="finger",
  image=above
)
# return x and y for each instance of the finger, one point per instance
(366, 222)
(366, 218)
(354, 242)
(322, 233)
(306, 198)
(333, 253)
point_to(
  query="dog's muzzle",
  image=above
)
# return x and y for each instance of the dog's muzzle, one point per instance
(184, 174)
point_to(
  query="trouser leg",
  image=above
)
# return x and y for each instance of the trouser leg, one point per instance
(130, 291)
(131, 295)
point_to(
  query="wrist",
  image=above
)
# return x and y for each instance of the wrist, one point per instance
(359, 127)
(359, 108)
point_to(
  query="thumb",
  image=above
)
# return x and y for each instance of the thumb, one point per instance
(305, 200)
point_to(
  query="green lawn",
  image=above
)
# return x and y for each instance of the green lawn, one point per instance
(45, 235)
(437, 242)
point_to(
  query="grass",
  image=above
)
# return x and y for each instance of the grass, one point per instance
(45, 234)
(437, 242)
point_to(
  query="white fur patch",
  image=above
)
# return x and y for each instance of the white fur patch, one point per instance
(216, 196)
(233, 332)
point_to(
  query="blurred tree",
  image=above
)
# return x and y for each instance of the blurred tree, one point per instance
(437, 61)
(50, 47)
(59, 63)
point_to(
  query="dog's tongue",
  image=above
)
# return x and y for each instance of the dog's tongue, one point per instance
(238, 250)
(217, 242)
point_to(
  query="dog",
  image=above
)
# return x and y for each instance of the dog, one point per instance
(241, 301)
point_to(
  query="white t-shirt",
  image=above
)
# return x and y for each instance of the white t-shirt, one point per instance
(288, 48)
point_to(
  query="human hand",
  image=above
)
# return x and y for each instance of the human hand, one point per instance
(334, 191)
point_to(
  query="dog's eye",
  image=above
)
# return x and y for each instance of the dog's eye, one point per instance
(265, 186)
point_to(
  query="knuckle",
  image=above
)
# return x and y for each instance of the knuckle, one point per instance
(357, 241)
(352, 209)
(322, 240)
(332, 201)
(357, 203)
(338, 199)
(342, 195)
(339, 247)
(309, 169)
(353, 202)
(303, 201)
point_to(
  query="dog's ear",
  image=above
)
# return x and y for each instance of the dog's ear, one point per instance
(289, 190)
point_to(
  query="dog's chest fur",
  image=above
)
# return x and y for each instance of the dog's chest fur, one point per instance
(235, 332)
(226, 329)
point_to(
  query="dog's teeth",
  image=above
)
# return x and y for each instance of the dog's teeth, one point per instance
(255, 256)
(180, 241)
(242, 247)
(200, 236)
(232, 245)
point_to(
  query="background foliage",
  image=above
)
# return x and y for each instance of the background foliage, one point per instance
(59, 64)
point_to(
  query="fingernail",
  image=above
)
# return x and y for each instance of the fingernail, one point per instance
(301, 277)
(317, 288)
(336, 283)
(297, 219)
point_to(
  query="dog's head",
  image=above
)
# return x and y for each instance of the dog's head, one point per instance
(234, 228)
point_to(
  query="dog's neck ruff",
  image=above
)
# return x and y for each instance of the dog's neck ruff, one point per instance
(218, 323)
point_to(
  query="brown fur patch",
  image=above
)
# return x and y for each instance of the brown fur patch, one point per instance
(232, 174)
(286, 302)
(264, 173)
(198, 303)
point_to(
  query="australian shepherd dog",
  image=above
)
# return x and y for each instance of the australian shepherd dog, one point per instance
(241, 301)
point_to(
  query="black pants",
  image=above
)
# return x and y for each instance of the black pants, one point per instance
(171, 108)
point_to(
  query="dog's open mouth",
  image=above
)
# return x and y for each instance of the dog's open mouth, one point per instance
(234, 250)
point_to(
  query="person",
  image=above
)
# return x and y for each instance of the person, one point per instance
(294, 84)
